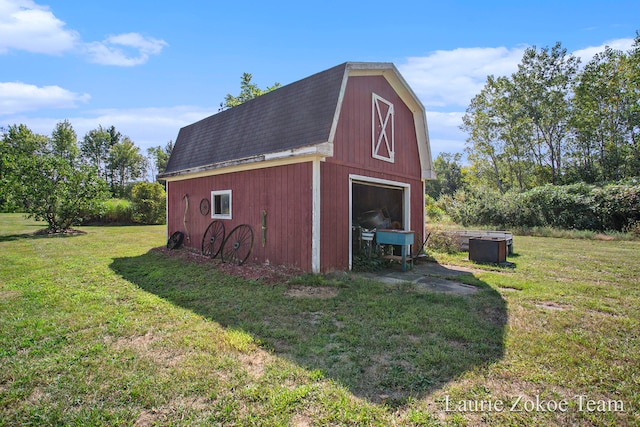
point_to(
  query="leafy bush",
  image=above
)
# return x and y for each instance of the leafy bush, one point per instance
(52, 189)
(112, 211)
(432, 210)
(440, 241)
(117, 211)
(579, 206)
(149, 203)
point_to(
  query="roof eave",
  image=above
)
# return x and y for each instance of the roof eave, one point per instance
(294, 155)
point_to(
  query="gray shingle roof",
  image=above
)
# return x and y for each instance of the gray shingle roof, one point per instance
(296, 115)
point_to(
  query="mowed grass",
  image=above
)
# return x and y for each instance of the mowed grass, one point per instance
(99, 329)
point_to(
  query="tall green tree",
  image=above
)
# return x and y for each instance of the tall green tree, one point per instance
(448, 168)
(64, 141)
(631, 66)
(17, 145)
(125, 164)
(45, 181)
(59, 193)
(518, 127)
(95, 147)
(248, 90)
(159, 157)
(605, 121)
(543, 86)
(482, 124)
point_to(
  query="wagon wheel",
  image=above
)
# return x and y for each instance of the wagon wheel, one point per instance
(205, 207)
(175, 240)
(238, 244)
(212, 239)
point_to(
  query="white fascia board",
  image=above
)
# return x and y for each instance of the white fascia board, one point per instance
(296, 155)
(336, 114)
(324, 149)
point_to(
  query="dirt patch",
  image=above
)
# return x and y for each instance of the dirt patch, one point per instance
(36, 396)
(143, 345)
(138, 343)
(255, 362)
(167, 414)
(149, 417)
(9, 294)
(552, 306)
(603, 237)
(265, 273)
(67, 232)
(299, 420)
(303, 291)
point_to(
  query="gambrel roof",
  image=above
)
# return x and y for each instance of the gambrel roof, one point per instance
(297, 119)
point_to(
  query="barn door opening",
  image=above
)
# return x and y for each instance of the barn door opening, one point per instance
(375, 203)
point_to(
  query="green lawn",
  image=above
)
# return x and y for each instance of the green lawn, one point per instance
(100, 328)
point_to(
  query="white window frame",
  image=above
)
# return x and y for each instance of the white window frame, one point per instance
(381, 137)
(216, 215)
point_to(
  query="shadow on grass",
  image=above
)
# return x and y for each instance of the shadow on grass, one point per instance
(40, 234)
(383, 342)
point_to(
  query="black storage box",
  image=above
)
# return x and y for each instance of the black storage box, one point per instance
(486, 249)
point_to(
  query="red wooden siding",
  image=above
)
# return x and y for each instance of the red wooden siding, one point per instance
(352, 144)
(352, 155)
(335, 234)
(284, 192)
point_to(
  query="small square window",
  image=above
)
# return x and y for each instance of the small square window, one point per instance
(221, 204)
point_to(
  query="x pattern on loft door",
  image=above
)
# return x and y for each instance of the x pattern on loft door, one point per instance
(382, 140)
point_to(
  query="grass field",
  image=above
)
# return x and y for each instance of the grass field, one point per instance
(100, 328)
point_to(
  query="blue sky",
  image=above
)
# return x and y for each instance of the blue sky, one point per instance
(151, 67)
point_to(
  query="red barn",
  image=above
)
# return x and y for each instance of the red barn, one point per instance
(303, 164)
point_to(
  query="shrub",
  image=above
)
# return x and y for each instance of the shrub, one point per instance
(617, 206)
(149, 203)
(441, 241)
(52, 189)
(567, 207)
(117, 211)
(432, 210)
(613, 207)
(112, 211)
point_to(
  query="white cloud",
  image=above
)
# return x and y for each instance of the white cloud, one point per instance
(146, 127)
(16, 97)
(453, 77)
(27, 26)
(445, 135)
(588, 53)
(446, 81)
(125, 50)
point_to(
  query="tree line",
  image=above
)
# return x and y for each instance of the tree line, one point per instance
(555, 122)
(553, 144)
(64, 180)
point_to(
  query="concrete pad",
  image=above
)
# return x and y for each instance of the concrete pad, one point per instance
(435, 284)
(427, 276)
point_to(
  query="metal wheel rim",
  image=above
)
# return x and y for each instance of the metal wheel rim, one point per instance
(205, 206)
(238, 245)
(175, 240)
(213, 239)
